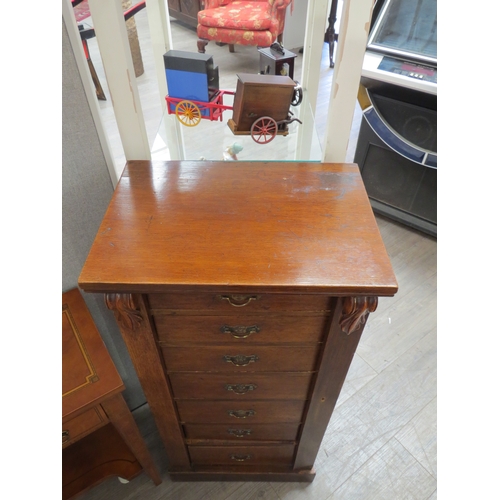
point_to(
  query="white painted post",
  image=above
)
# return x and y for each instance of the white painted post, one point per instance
(88, 85)
(112, 38)
(161, 39)
(353, 36)
(317, 14)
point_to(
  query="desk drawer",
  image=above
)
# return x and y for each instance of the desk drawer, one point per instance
(242, 431)
(83, 424)
(264, 329)
(235, 303)
(242, 387)
(253, 358)
(242, 455)
(236, 413)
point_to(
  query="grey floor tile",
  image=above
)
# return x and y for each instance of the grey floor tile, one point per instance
(392, 331)
(360, 373)
(392, 473)
(419, 437)
(254, 491)
(372, 417)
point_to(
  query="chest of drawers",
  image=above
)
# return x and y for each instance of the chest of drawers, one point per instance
(241, 290)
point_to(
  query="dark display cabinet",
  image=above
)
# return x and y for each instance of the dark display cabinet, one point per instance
(397, 144)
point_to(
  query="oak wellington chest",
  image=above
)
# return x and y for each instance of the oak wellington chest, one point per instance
(241, 290)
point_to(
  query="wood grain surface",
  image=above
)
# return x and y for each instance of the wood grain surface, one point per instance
(294, 227)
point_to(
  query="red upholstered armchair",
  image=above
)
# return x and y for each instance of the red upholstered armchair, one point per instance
(241, 22)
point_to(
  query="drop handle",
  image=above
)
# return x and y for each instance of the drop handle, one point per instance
(239, 433)
(65, 436)
(240, 388)
(241, 458)
(240, 360)
(241, 413)
(239, 300)
(240, 331)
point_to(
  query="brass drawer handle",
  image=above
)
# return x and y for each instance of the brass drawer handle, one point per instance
(239, 433)
(241, 388)
(240, 360)
(241, 458)
(240, 332)
(65, 436)
(241, 413)
(239, 300)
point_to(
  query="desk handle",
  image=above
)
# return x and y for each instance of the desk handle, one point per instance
(239, 300)
(241, 413)
(240, 360)
(240, 331)
(239, 433)
(240, 388)
(241, 458)
(65, 436)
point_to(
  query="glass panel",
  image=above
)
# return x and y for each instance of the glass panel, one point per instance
(210, 140)
(408, 26)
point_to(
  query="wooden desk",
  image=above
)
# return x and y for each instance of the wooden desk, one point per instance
(241, 290)
(100, 437)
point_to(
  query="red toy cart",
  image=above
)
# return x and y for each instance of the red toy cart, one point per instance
(190, 113)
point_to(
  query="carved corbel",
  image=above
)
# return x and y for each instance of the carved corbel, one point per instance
(125, 308)
(355, 311)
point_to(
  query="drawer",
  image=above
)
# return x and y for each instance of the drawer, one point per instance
(242, 455)
(235, 303)
(240, 412)
(254, 358)
(242, 387)
(83, 424)
(270, 329)
(243, 431)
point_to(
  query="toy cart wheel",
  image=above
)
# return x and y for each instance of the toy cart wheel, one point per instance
(297, 95)
(188, 113)
(264, 130)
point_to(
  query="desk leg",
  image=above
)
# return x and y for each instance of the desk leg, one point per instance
(120, 416)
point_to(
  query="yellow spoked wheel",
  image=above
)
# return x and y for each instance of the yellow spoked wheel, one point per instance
(188, 113)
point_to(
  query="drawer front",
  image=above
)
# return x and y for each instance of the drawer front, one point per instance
(83, 424)
(240, 358)
(243, 431)
(244, 387)
(242, 455)
(268, 329)
(236, 413)
(230, 303)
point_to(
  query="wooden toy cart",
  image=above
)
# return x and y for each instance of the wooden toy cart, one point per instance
(261, 107)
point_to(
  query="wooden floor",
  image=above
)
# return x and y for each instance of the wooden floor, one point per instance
(381, 440)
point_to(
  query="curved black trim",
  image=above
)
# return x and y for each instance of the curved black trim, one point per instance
(395, 142)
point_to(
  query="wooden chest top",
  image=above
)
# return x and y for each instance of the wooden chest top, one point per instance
(283, 227)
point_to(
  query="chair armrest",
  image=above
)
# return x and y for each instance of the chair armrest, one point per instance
(281, 4)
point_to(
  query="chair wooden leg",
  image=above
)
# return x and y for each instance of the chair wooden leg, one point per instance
(231, 47)
(280, 38)
(202, 43)
(98, 89)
